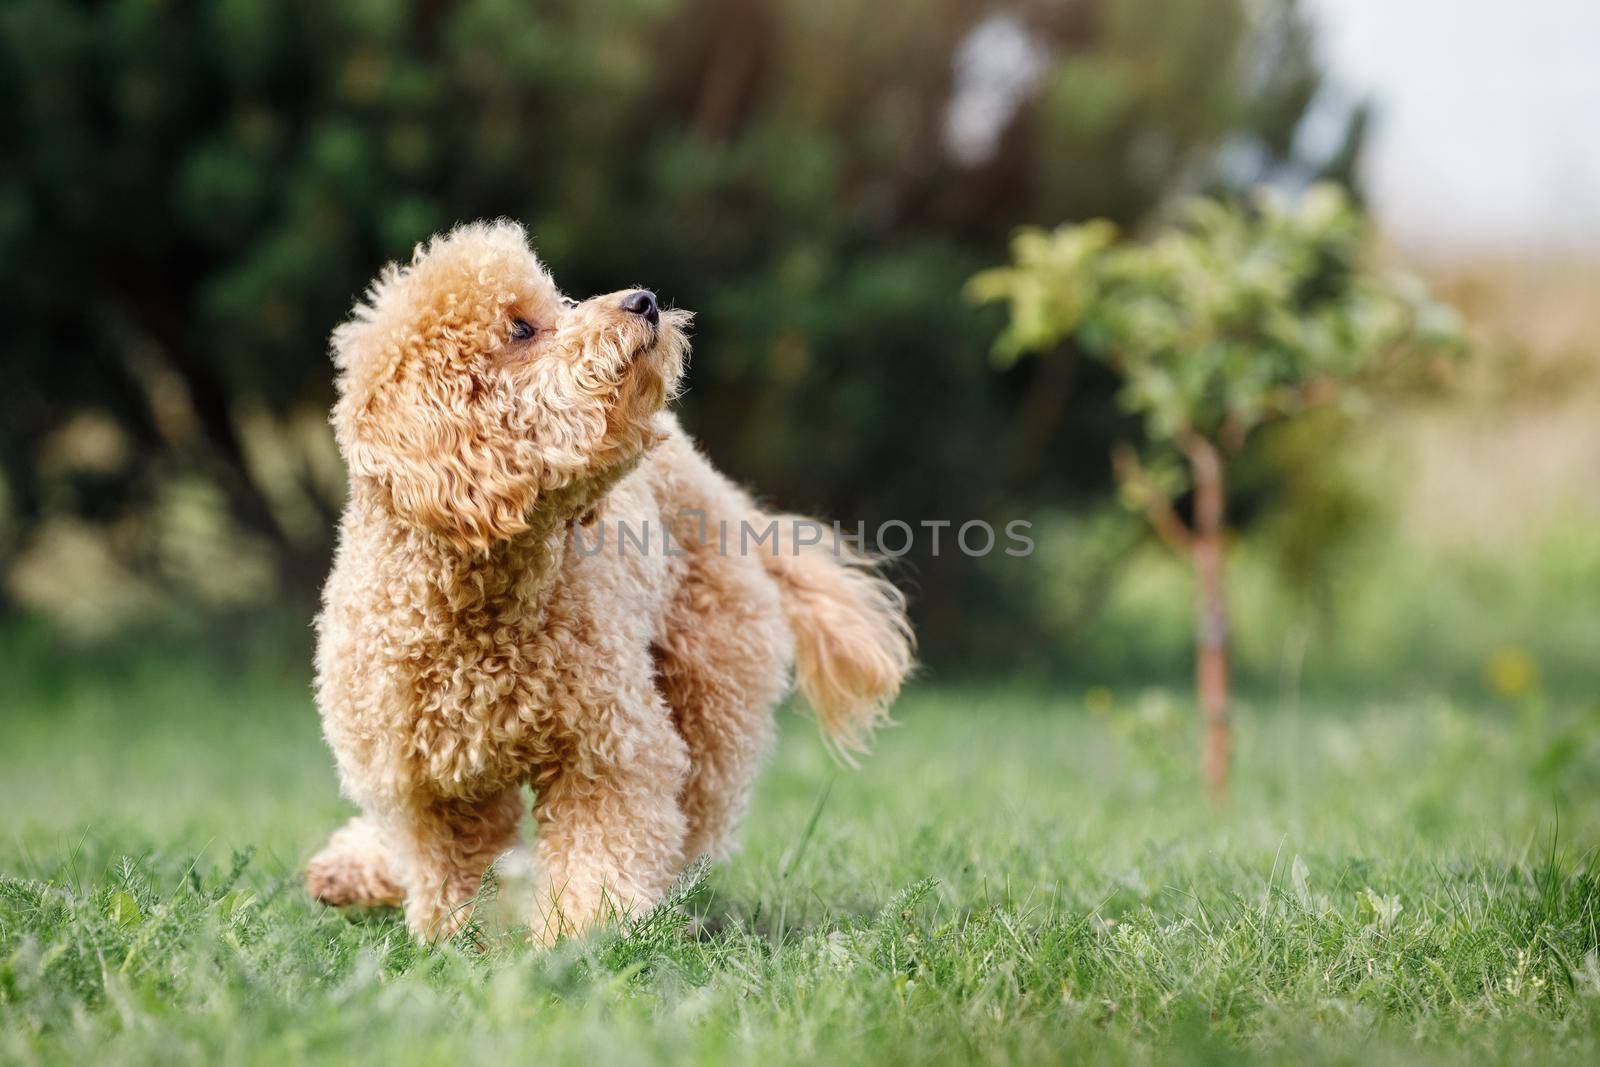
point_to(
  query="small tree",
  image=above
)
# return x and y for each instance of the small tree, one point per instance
(1234, 318)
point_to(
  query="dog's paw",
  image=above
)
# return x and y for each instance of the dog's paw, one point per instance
(352, 870)
(341, 883)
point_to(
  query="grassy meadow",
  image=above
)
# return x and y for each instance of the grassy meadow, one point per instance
(1018, 875)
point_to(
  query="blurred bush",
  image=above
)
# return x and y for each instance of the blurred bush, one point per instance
(192, 193)
(1402, 617)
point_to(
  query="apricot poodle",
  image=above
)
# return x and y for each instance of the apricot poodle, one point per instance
(507, 607)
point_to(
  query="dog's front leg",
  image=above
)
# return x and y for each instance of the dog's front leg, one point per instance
(611, 832)
(441, 848)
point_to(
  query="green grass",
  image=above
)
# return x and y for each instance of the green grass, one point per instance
(1011, 878)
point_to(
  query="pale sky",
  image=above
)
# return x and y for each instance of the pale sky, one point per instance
(1488, 117)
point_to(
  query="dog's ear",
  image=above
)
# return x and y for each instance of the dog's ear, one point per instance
(448, 454)
(426, 419)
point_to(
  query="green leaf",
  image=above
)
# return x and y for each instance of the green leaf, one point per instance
(122, 909)
(235, 901)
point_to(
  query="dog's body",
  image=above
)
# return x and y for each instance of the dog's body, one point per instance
(535, 585)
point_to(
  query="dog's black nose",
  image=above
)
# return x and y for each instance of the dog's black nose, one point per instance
(642, 302)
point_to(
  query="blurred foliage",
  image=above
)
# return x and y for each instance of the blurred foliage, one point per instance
(1234, 319)
(1479, 623)
(1231, 320)
(192, 193)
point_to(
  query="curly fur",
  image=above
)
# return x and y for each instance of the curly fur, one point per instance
(467, 646)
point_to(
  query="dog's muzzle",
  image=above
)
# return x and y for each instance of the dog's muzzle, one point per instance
(642, 302)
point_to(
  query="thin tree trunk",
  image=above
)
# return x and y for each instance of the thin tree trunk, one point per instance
(1211, 624)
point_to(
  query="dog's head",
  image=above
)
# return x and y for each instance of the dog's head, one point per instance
(474, 396)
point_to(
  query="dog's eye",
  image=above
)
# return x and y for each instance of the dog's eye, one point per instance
(522, 330)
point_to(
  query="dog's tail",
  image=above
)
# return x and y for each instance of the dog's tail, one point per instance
(853, 645)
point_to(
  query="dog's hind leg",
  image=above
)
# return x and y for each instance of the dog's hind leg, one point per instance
(722, 664)
(354, 869)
